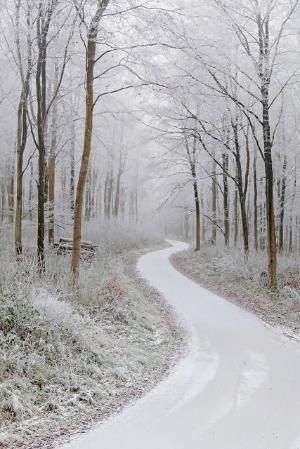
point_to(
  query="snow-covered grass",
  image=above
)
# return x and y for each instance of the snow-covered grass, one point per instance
(225, 271)
(67, 358)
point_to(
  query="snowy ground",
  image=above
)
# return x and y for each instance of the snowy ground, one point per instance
(238, 387)
(68, 361)
(225, 272)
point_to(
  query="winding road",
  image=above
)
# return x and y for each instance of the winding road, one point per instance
(238, 386)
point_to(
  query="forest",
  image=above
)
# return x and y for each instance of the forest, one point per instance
(125, 123)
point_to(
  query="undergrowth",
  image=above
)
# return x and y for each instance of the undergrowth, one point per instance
(226, 272)
(66, 356)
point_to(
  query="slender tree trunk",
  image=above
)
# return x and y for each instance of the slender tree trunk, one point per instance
(87, 213)
(291, 236)
(3, 199)
(93, 199)
(136, 207)
(41, 117)
(226, 199)
(51, 181)
(192, 158)
(203, 227)
(108, 195)
(282, 205)
(132, 207)
(214, 204)
(22, 125)
(11, 194)
(42, 25)
(87, 146)
(72, 168)
(52, 168)
(255, 196)
(236, 217)
(91, 49)
(186, 226)
(245, 228)
(117, 197)
(105, 196)
(271, 229)
(117, 194)
(99, 200)
(197, 209)
(123, 204)
(265, 77)
(30, 193)
(242, 187)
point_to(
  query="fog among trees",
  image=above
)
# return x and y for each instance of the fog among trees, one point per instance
(184, 116)
(128, 127)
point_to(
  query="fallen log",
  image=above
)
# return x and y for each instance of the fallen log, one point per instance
(65, 246)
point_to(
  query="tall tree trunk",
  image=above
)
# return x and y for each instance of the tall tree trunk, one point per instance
(242, 187)
(265, 76)
(192, 158)
(123, 204)
(255, 196)
(3, 199)
(42, 25)
(51, 181)
(214, 203)
(11, 194)
(132, 207)
(110, 195)
(22, 123)
(93, 198)
(236, 217)
(245, 228)
(87, 213)
(271, 229)
(41, 117)
(30, 192)
(186, 225)
(105, 196)
(51, 192)
(291, 239)
(203, 227)
(91, 50)
(198, 217)
(21, 143)
(99, 200)
(136, 208)
(117, 194)
(72, 168)
(226, 199)
(87, 146)
(282, 205)
(52, 166)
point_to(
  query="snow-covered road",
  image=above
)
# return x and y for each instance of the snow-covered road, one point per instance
(238, 387)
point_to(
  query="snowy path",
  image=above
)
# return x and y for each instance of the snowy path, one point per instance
(237, 388)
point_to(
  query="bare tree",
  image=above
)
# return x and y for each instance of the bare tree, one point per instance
(192, 159)
(25, 71)
(91, 47)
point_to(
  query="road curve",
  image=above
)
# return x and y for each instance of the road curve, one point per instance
(238, 387)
